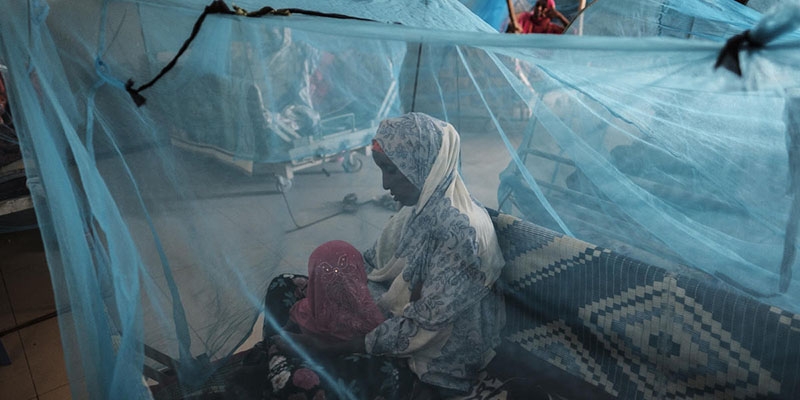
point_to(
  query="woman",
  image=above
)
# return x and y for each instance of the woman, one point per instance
(431, 272)
(539, 19)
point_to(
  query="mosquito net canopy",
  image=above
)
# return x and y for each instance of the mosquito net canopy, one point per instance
(181, 154)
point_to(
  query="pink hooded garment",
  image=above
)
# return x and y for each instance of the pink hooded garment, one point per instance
(338, 305)
(529, 23)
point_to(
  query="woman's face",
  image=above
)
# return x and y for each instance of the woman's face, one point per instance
(401, 189)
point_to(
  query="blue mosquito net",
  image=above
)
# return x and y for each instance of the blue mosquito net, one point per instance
(178, 159)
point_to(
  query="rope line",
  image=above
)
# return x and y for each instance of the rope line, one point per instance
(220, 7)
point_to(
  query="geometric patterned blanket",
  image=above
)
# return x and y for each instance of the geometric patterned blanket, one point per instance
(636, 331)
(583, 322)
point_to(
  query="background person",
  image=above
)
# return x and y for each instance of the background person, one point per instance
(540, 19)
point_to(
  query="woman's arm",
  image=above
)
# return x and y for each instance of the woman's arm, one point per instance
(450, 286)
(403, 336)
(553, 13)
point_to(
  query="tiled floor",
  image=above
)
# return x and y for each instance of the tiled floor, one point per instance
(37, 368)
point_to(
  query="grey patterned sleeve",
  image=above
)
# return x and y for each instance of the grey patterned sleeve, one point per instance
(391, 337)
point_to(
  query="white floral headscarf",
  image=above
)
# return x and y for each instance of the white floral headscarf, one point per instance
(446, 245)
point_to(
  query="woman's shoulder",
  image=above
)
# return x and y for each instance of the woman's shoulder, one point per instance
(471, 224)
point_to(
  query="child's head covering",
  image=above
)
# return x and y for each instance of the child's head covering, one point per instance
(338, 305)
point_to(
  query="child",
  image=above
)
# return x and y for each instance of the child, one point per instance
(338, 305)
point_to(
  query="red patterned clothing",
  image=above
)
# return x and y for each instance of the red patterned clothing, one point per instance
(528, 22)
